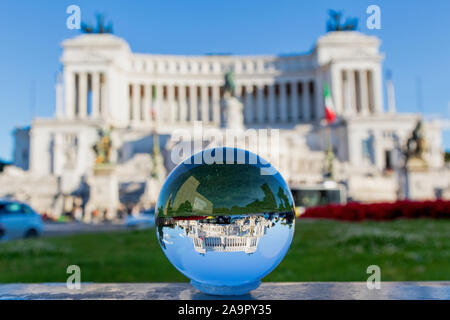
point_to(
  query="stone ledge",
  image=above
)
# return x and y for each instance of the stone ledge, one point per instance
(267, 291)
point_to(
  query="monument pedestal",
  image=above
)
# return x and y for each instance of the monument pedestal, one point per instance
(416, 164)
(103, 194)
(232, 118)
(152, 188)
(418, 184)
(154, 182)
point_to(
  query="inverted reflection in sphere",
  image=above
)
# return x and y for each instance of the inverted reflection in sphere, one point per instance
(227, 223)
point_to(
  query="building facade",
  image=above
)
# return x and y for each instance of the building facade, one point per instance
(242, 235)
(105, 84)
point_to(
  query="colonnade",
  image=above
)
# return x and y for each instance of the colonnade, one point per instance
(277, 102)
(274, 101)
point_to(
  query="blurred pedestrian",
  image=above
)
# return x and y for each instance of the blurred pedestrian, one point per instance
(78, 214)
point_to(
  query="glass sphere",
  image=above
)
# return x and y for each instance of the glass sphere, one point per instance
(225, 219)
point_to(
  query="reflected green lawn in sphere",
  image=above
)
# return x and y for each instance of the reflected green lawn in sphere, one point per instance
(225, 219)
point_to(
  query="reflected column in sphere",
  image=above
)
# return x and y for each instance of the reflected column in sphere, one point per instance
(223, 223)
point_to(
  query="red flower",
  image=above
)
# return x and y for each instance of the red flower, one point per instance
(438, 209)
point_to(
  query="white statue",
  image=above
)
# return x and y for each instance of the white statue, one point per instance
(232, 107)
(155, 181)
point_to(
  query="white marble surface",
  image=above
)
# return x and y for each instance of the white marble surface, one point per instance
(267, 291)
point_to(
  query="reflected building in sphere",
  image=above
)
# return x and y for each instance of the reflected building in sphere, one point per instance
(242, 234)
(146, 96)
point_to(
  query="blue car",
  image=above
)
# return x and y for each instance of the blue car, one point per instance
(18, 220)
(144, 220)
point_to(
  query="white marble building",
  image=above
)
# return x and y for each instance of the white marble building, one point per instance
(242, 235)
(105, 83)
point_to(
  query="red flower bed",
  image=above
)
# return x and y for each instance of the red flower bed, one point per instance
(381, 211)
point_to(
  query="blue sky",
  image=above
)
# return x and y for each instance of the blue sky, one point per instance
(415, 39)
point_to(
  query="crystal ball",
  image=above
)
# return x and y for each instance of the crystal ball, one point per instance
(225, 219)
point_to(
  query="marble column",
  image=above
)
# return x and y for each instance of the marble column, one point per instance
(95, 80)
(157, 107)
(69, 94)
(294, 102)
(136, 102)
(318, 92)
(336, 89)
(147, 103)
(352, 91)
(239, 91)
(193, 102)
(59, 96)
(300, 94)
(58, 155)
(171, 103)
(283, 102)
(182, 105)
(377, 89)
(260, 103)
(378, 155)
(103, 95)
(306, 101)
(82, 98)
(216, 104)
(204, 104)
(249, 104)
(272, 104)
(364, 92)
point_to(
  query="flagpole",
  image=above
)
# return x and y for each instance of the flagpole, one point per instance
(330, 116)
(329, 154)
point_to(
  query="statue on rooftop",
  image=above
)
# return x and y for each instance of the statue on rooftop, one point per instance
(335, 23)
(101, 27)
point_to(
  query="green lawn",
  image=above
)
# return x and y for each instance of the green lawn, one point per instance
(406, 250)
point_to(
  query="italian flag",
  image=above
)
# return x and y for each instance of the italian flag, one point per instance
(152, 108)
(330, 113)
